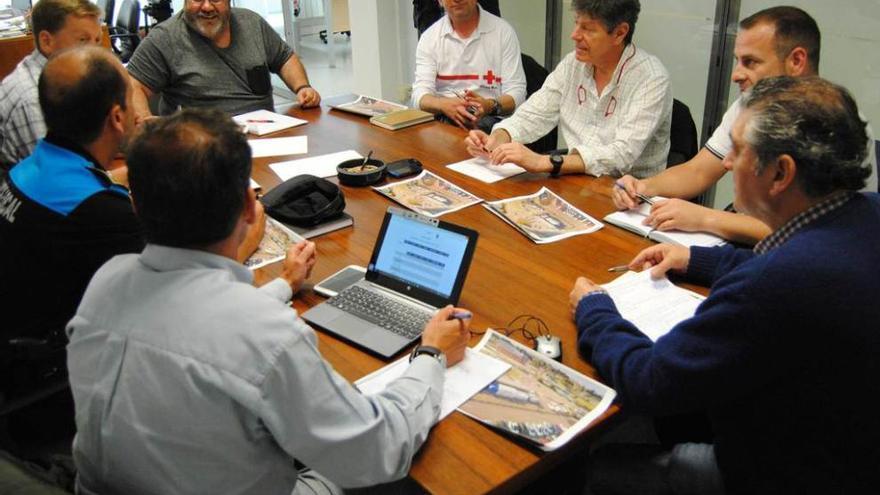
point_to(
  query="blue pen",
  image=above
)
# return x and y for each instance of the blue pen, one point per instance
(638, 195)
(461, 315)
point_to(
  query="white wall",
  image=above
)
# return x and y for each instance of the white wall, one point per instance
(383, 47)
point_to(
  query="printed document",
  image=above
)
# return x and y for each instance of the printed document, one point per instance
(463, 380)
(653, 306)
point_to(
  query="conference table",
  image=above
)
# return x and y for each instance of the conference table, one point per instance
(510, 275)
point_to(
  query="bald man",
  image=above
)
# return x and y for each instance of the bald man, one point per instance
(61, 216)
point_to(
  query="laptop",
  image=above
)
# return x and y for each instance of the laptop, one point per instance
(418, 265)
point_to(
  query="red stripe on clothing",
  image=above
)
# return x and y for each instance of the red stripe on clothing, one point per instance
(457, 77)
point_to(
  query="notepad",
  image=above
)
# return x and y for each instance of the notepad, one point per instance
(653, 306)
(262, 122)
(401, 118)
(319, 166)
(482, 170)
(631, 220)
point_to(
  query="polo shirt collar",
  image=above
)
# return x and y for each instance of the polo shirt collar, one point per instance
(166, 258)
(69, 145)
(484, 26)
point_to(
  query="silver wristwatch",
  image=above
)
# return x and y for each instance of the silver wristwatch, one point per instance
(430, 351)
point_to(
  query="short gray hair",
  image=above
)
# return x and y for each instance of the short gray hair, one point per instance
(814, 121)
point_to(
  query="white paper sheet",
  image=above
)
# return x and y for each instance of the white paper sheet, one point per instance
(255, 185)
(320, 166)
(481, 169)
(294, 145)
(653, 306)
(463, 380)
(261, 122)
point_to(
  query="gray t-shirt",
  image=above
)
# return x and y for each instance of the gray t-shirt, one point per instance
(189, 71)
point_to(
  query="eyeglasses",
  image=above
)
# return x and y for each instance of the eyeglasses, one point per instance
(199, 2)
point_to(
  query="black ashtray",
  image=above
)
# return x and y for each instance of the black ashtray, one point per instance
(357, 173)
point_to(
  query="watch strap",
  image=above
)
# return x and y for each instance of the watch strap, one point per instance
(556, 160)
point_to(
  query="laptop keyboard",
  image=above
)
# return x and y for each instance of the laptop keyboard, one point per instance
(402, 319)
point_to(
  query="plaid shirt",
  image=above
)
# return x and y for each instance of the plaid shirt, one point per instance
(21, 120)
(801, 220)
(625, 130)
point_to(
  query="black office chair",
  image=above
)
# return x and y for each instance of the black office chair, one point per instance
(536, 74)
(682, 135)
(124, 36)
(107, 7)
(877, 157)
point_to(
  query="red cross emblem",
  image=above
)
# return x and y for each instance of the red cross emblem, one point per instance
(491, 78)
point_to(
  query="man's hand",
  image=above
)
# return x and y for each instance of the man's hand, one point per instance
(519, 154)
(479, 104)
(308, 97)
(678, 214)
(625, 192)
(582, 287)
(456, 109)
(661, 259)
(449, 335)
(479, 144)
(297, 266)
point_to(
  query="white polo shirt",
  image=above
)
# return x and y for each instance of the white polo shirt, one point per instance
(720, 145)
(488, 62)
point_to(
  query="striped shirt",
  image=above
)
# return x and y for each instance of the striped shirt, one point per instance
(21, 120)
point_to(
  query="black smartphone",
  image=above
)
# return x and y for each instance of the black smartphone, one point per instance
(403, 168)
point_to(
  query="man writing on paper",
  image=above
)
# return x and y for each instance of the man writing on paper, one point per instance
(773, 42)
(56, 24)
(187, 379)
(469, 67)
(783, 352)
(212, 55)
(611, 101)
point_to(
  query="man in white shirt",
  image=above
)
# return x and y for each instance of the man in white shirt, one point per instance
(773, 42)
(611, 101)
(469, 66)
(188, 379)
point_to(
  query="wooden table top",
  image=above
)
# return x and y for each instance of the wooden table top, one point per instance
(510, 275)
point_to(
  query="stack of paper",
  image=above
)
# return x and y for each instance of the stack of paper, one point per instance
(653, 306)
(481, 169)
(295, 145)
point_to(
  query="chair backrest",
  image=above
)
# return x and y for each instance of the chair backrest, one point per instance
(536, 74)
(877, 157)
(107, 7)
(129, 16)
(682, 135)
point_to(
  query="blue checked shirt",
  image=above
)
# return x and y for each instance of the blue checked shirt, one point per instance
(801, 220)
(21, 120)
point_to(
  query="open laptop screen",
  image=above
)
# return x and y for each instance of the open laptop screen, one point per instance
(423, 258)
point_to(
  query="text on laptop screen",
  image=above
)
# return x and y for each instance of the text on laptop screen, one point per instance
(421, 255)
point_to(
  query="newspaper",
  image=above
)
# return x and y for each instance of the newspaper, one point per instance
(277, 239)
(538, 399)
(543, 216)
(365, 105)
(429, 195)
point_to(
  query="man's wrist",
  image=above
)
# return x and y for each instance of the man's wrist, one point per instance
(301, 87)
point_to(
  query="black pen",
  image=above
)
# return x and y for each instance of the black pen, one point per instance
(638, 195)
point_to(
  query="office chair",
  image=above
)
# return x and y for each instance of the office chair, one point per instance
(124, 36)
(536, 74)
(877, 157)
(107, 7)
(682, 135)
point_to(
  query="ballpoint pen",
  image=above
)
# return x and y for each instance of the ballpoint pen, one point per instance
(461, 315)
(260, 121)
(617, 269)
(638, 195)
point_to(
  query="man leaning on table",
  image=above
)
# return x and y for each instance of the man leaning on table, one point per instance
(783, 352)
(469, 67)
(187, 379)
(773, 42)
(56, 24)
(611, 100)
(212, 55)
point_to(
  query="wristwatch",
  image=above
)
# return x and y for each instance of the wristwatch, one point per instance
(430, 351)
(556, 160)
(496, 109)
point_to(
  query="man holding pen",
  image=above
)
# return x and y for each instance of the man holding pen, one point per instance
(782, 354)
(187, 379)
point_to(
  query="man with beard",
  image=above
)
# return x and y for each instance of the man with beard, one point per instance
(61, 217)
(212, 55)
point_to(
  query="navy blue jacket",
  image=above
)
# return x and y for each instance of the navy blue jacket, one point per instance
(61, 218)
(783, 355)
